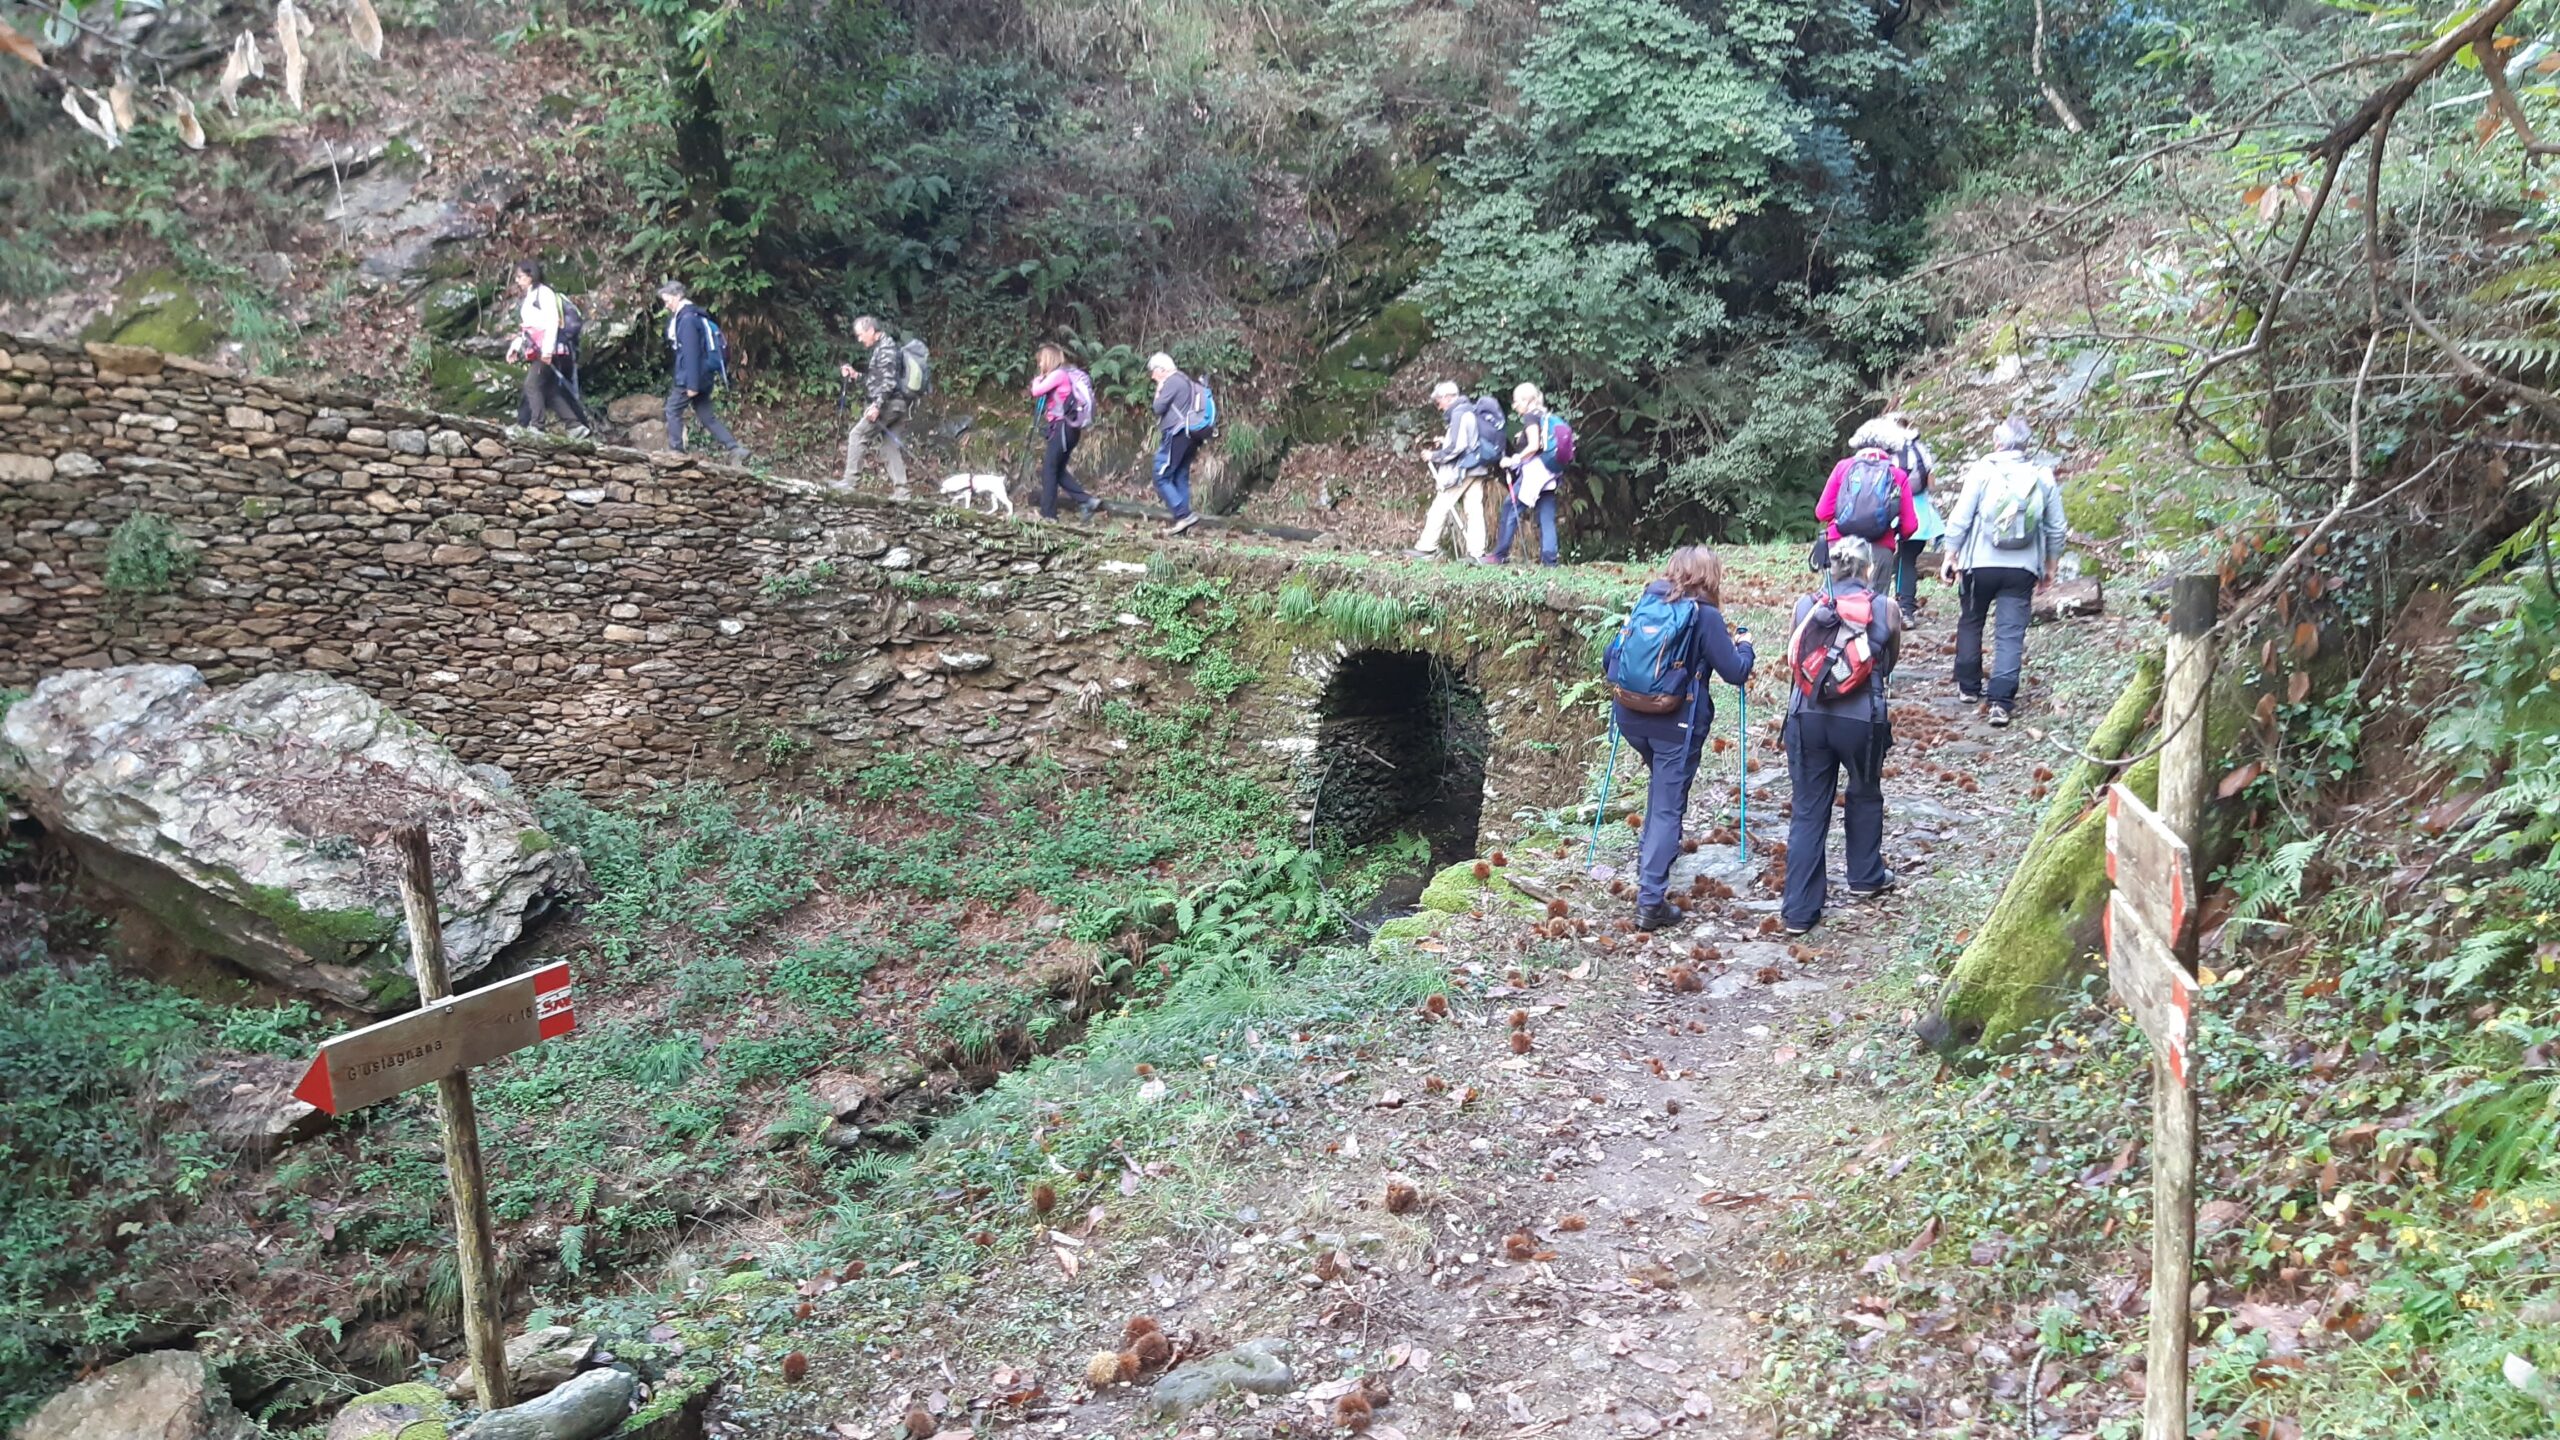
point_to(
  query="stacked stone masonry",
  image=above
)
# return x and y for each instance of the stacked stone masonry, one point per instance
(570, 612)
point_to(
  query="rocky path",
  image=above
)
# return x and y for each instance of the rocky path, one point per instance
(1577, 1234)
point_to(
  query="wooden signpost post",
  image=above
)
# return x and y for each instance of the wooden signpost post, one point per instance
(2151, 964)
(440, 1041)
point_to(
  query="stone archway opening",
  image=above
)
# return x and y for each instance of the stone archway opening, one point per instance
(1401, 740)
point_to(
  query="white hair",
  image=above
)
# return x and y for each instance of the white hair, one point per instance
(1885, 432)
(1159, 361)
(1526, 397)
(1445, 390)
(2012, 434)
(1853, 559)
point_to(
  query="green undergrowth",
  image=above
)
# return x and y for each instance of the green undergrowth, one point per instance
(2379, 1217)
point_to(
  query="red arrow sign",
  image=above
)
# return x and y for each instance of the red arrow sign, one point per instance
(433, 1041)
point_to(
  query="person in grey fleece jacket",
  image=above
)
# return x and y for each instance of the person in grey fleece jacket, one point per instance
(2006, 537)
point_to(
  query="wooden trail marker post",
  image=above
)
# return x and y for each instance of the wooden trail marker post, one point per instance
(440, 1041)
(2151, 955)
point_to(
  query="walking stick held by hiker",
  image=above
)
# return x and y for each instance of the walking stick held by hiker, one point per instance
(1590, 859)
(1742, 779)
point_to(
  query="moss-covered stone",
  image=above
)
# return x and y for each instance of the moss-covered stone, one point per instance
(468, 385)
(157, 309)
(2018, 969)
(324, 934)
(1405, 929)
(401, 1412)
(1456, 890)
(533, 842)
(452, 311)
(664, 1417)
(1348, 378)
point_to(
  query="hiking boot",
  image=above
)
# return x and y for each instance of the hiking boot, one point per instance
(1185, 523)
(1422, 552)
(579, 432)
(1657, 917)
(1999, 716)
(1869, 892)
(1092, 508)
(1804, 927)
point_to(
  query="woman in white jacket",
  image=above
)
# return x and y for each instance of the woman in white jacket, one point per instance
(539, 317)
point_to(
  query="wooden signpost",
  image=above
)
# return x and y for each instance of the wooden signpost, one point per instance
(2151, 962)
(439, 1042)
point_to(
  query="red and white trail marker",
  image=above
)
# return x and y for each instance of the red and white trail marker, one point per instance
(433, 1041)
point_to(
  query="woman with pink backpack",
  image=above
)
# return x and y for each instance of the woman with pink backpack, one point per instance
(1065, 395)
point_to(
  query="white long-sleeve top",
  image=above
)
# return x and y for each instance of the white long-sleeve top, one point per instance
(538, 315)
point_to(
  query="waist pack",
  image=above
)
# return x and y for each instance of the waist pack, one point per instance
(1649, 669)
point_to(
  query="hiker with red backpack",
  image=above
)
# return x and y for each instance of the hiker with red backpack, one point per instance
(1843, 647)
(1868, 498)
(1468, 449)
(1536, 471)
(2006, 538)
(1657, 671)
(1065, 396)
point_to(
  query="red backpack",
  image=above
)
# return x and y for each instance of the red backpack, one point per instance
(1832, 655)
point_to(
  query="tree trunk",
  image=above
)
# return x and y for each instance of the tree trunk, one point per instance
(702, 146)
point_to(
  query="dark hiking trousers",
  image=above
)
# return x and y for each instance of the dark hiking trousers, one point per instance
(678, 402)
(1670, 752)
(1821, 749)
(1054, 478)
(1174, 454)
(1906, 575)
(2004, 595)
(545, 392)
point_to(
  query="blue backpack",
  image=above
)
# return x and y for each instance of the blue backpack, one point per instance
(1869, 504)
(1204, 410)
(715, 348)
(1649, 668)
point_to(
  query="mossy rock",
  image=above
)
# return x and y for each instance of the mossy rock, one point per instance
(465, 384)
(401, 1412)
(1352, 374)
(1405, 929)
(1456, 890)
(158, 309)
(2100, 501)
(452, 310)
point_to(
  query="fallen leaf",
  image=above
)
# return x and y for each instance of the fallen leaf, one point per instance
(366, 27)
(20, 46)
(1066, 1259)
(1659, 1365)
(2237, 781)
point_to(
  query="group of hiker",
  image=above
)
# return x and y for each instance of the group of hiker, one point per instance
(1474, 450)
(2003, 538)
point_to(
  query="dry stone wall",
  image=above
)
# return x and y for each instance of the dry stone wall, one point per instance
(564, 611)
(607, 616)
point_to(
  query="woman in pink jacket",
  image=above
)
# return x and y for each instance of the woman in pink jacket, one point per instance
(1869, 498)
(1066, 408)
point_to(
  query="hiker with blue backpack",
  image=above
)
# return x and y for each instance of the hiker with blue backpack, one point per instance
(1846, 640)
(1064, 394)
(1185, 414)
(2006, 538)
(1892, 432)
(1536, 471)
(1468, 450)
(1868, 498)
(702, 362)
(1657, 670)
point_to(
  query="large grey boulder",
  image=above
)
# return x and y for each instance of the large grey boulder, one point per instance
(254, 823)
(595, 1403)
(162, 1395)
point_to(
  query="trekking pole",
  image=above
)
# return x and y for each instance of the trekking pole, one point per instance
(1742, 780)
(1592, 856)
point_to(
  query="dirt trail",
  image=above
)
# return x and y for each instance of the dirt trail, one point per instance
(1601, 1222)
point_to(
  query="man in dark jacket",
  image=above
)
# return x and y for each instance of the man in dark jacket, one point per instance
(885, 413)
(1177, 407)
(689, 335)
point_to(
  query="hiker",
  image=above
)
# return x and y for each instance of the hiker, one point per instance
(701, 362)
(1472, 443)
(1839, 655)
(1867, 498)
(544, 340)
(884, 416)
(1065, 394)
(1181, 408)
(2005, 537)
(1546, 448)
(1892, 433)
(1657, 670)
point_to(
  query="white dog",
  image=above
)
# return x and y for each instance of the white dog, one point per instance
(965, 490)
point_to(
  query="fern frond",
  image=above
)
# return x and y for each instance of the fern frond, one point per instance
(2520, 355)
